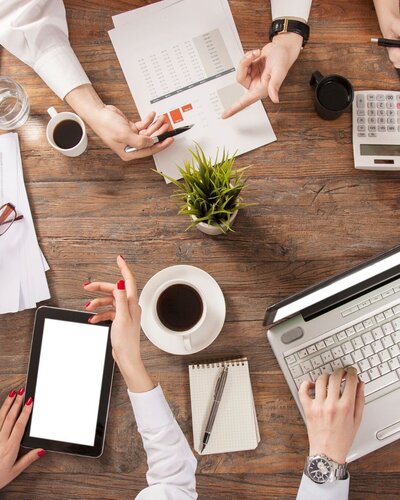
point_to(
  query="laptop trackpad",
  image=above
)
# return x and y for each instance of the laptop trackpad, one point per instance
(388, 431)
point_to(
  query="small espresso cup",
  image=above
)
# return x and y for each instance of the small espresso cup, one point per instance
(66, 132)
(333, 95)
(180, 308)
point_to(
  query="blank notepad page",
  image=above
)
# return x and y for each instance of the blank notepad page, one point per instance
(235, 427)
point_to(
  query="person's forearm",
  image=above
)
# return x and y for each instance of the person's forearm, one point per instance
(85, 101)
(386, 10)
(135, 375)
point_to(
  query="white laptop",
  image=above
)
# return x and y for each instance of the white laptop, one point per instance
(352, 319)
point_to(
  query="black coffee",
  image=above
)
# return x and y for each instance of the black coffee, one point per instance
(67, 134)
(179, 307)
(333, 95)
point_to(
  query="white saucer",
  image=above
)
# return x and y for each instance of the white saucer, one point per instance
(210, 328)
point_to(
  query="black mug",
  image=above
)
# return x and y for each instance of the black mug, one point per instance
(333, 95)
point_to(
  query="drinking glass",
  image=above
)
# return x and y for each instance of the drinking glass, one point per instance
(14, 104)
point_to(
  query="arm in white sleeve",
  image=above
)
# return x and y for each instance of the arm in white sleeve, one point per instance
(291, 8)
(171, 464)
(338, 490)
(36, 32)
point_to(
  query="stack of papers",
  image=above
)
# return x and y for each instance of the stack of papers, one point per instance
(179, 58)
(22, 265)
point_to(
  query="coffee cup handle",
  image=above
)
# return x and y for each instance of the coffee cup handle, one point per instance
(316, 77)
(187, 343)
(52, 112)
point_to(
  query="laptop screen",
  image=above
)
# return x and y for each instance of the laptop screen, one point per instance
(333, 286)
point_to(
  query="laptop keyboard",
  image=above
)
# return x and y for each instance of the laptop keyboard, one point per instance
(372, 346)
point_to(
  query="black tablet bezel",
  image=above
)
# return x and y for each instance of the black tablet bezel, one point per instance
(28, 441)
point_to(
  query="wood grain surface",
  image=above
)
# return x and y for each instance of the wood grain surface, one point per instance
(315, 216)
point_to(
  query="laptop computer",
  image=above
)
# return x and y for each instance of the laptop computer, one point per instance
(352, 319)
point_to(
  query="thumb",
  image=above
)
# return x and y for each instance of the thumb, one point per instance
(275, 82)
(121, 300)
(138, 141)
(27, 460)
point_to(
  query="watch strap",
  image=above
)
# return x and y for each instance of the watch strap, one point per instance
(286, 25)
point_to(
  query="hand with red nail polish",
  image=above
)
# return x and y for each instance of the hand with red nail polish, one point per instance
(14, 416)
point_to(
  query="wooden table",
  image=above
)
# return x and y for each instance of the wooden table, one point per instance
(315, 216)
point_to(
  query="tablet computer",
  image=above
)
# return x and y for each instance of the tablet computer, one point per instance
(69, 377)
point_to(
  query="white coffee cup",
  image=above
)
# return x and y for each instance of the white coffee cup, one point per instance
(56, 118)
(186, 335)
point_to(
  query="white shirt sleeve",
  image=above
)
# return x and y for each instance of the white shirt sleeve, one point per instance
(36, 32)
(338, 490)
(171, 463)
(291, 8)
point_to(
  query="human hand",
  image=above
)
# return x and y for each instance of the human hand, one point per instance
(393, 32)
(125, 314)
(12, 426)
(333, 418)
(262, 72)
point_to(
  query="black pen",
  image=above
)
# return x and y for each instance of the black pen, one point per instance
(162, 137)
(219, 389)
(386, 42)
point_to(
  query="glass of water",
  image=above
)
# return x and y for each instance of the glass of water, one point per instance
(14, 104)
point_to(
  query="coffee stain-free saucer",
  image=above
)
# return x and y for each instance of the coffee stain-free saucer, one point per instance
(207, 332)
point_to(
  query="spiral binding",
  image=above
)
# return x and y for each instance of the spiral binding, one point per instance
(220, 363)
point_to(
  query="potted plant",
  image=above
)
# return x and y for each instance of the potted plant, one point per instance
(210, 191)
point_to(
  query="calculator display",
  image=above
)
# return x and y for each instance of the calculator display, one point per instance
(380, 149)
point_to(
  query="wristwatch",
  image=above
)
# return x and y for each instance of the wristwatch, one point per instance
(286, 25)
(322, 469)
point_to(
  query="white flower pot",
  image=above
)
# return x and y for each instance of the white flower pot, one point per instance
(213, 230)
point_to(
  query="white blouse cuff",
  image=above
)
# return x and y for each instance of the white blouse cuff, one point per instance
(291, 8)
(61, 70)
(151, 409)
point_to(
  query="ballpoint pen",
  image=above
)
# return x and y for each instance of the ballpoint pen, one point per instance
(162, 137)
(386, 42)
(219, 389)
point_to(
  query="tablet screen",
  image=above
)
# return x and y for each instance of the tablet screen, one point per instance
(69, 381)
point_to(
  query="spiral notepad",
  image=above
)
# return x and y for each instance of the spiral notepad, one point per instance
(236, 426)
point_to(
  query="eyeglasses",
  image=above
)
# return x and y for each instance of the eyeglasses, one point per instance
(8, 215)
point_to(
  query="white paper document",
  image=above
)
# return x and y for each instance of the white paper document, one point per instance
(22, 265)
(179, 58)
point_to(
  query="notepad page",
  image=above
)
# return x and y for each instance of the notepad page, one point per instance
(235, 426)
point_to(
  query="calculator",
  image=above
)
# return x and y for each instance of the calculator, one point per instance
(376, 130)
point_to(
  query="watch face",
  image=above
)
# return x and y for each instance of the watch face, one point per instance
(319, 470)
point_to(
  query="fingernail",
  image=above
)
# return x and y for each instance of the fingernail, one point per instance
(87, 304)
(122, 257)
(29, 402)
(87, 283)
(121, 285)
(21, 391)
(41, 453)
(90, 319)
(12, 394)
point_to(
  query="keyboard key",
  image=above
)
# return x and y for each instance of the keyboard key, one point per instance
(396, 309)
(311, 349)
(384, 355)
(367, 351)
(361, 121)
(368, 323)
(306, 366)
(389, 292)
(364, 303)
(388, 313)
(374, 360)
(336, 364)
(375, 298)
(391, 121)
(316, 361)
(372, 122)
(357, 355)
(341, 336)
(302, 354)
(329, 341)
(371, 105)
(364, 377)
(380, 97)
(396, 323)
(347, 360)
(391, 128)
(384, 368)
(364, 365)
(296, 371)
(350, 331)
(347, 347)
(359, 327)
(377, 346)
(367, 337)
(387, 341)
(389, 105)
(371, 97)
(387, 328)
(360, 112)
(291, 359)
(361, 128)
(326, 369)
(377, 333)
(373, 373)
(360, 100)
(396, 337)
(380, 105)
(315, 374)
(379, 383)
(298, 381)
(394, 363)
(337, 352)
(379, 317)
(320, 345)
(357, 342)
(327, 357)
(381, 128)
(394, 350)
(371, 112)
(389, 97)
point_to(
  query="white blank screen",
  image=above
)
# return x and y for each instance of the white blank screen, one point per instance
(69, 380)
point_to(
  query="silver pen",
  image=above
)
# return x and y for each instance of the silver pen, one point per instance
(219, 389)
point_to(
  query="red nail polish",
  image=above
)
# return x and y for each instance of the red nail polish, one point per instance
(87, 283)
(21, 391)
(41, 453)
(122, 257)
(87, 304)
(121, 285)
(29, 402)
(90, 319)
(12, 394)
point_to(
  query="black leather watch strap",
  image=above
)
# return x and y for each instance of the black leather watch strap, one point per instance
(290, 26)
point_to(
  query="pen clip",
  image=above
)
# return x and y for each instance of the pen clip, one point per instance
(220, 379)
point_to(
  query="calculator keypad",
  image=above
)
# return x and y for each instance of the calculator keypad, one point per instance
(377, 114)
